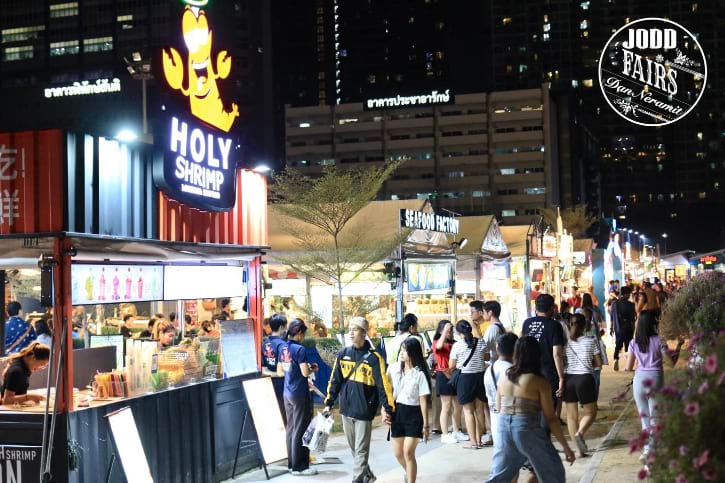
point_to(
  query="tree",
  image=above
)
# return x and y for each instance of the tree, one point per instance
(576, 220)
(332, 250)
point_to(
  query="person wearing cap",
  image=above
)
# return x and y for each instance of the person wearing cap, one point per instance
(550, 335)
(359, 379)
(297, 400)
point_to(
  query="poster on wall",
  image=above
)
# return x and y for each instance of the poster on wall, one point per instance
(104, 284)
(428, 276)
(239, 351)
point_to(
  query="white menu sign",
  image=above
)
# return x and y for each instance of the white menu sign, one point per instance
(108, 284)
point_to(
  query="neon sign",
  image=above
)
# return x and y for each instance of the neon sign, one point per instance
(198, 166)
(708, 259)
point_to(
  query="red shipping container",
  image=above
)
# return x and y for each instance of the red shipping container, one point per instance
(32, 198)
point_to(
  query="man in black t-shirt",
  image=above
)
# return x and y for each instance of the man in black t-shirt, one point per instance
(550, 335)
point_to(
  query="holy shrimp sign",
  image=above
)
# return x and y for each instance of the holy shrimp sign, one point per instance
(198, 165)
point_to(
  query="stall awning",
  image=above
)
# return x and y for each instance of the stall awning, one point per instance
(22, 251)
(677, 258)
(584, 245)
(484, 238)
(515, 238)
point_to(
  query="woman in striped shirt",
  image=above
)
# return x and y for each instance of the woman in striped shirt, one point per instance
(582, 356)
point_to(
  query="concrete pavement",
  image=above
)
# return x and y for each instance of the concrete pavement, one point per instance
(616, 423)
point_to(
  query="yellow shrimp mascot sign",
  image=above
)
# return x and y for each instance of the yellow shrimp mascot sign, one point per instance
(203, 93)
(199, 163)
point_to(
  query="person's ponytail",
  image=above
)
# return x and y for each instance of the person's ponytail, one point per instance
(464, 327)
(38, 350)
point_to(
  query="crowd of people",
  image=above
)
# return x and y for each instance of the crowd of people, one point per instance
(495, 388)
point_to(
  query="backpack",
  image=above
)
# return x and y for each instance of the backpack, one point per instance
(624, 317)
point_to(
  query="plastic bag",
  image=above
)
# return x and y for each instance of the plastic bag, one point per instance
(317, 433)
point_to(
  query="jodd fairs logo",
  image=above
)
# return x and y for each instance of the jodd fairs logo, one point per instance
(198, 168)
(652, 72)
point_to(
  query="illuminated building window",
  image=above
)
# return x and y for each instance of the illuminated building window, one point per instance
(523, 68)
(506, 20)
(480, 194)
(509, 69)
(545, 37)
(584, 24)
(21, 34)
(69, 47)
(508, 212)
(18, 53)
(455, 174)
(535, 191)
(574, 83)
(124, 18)
(547, 27)
(60, 10)
(585, 34)
(98, 44)
(699, 136)
(584, 5)
(507, 171)
(702, 195)
(587, 83)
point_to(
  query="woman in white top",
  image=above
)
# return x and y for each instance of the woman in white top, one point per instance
(468, 355)
(411, 387)
(582, 357)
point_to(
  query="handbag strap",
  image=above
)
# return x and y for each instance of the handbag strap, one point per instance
(471, 354)
(493, 375)
(354, 369)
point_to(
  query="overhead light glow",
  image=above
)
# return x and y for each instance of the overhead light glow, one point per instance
(126, 135)
(262, 168)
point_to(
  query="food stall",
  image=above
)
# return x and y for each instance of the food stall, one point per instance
(106, 241)
(702, 262)
(428, 267)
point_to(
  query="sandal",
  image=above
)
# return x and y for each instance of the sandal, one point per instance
(472, 446)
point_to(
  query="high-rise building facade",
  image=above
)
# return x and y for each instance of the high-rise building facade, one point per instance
(651, 178)
(494, 153)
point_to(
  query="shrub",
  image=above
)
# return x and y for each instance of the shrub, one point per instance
(698, 308)
(690, 430)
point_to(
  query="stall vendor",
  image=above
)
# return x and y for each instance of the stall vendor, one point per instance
(125, 328)
(166, 333)
(21, 365)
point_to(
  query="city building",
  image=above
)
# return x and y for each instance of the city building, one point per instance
(53, 52)
(494, 153)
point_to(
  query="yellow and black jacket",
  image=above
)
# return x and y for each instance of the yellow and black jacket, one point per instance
(360, 393)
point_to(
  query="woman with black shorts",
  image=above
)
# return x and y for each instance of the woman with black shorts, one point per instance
(411, 388)
(582, 356)
(468, 355)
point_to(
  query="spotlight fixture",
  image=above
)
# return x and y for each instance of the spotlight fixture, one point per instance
(459, 244)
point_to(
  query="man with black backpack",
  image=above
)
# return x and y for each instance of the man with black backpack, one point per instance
(359, 378)
(623, 317)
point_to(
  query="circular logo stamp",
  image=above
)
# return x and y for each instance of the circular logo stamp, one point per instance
(652, 72)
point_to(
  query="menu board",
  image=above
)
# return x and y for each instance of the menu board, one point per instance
(128, 443)
(428, 276)
(105, 284)
(184, 282)
(115, 340)
(239, 350)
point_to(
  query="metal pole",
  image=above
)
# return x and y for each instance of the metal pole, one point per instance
(143, 101)
(527, 278)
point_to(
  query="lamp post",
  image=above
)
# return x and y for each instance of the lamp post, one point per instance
(664, 236)
(140, 69)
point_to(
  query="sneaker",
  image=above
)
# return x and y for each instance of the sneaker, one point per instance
(369, 478)
(307, 472)
(461, 436)
(581, 444)
(449, 439)
(616, 364)
(487, 439)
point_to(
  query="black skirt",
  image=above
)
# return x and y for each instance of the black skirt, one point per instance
(470, 387)
(407, 422)
(444, 389)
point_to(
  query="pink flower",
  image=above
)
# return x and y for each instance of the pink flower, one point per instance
(711, 364)
(721, 379)
(683, 450)
(680, 479)
(703, 388)
(657, 429)
(709, 474)
(669, 390)
(692, 408)
(642, 475)
(701, 460)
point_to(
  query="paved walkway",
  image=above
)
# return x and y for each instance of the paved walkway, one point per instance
(616, 424)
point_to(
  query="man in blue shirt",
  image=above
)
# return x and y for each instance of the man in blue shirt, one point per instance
(297, 400)
(18, 333)
(275, 357)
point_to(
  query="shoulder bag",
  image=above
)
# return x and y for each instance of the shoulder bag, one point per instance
(453, 381)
